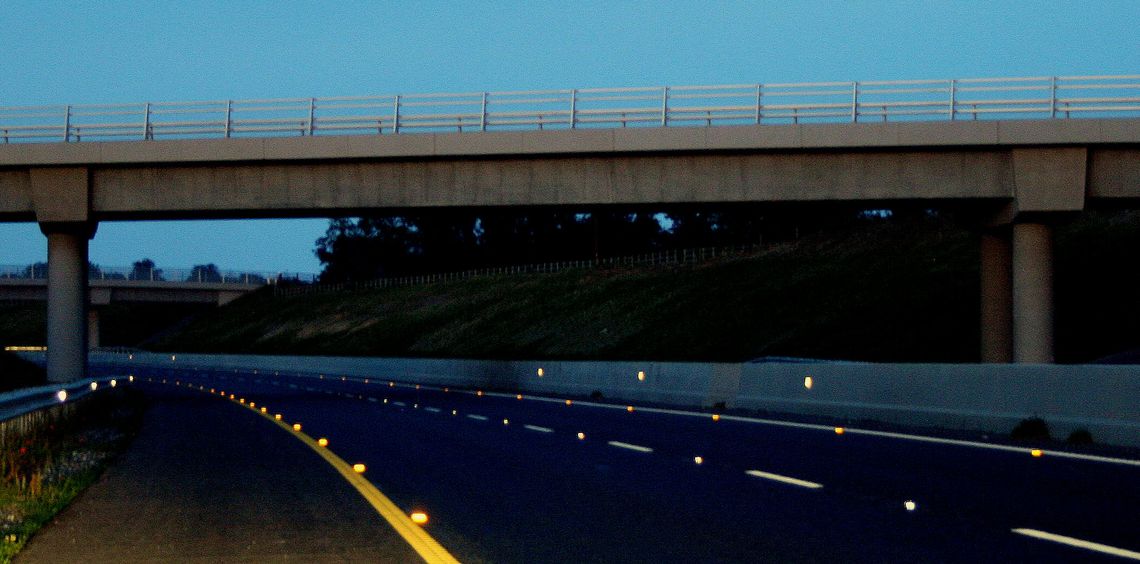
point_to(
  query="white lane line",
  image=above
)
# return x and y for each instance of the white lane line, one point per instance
(538, 429)
(784, 479)
(373, 400)
(628, 446)
(432, 409)
(399, 403)
(1078, 543)
(477, 417)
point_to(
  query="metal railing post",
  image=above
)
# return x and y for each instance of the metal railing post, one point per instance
(67, 124)
(758, 94)
(664, 106)
(953, 97)
(483, 114)
(229, 115)
(146, 122)
(312, 115)
(1052, 97)
(396, 115)
(573, 108)
(854, 102)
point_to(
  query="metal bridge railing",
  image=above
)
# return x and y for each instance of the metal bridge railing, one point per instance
(666, 106)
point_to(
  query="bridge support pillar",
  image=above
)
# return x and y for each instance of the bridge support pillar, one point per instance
(1032, 259)
(92, 329)
(67, 322)
(997, 294)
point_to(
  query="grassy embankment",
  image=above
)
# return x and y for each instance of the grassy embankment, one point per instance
(885, 293)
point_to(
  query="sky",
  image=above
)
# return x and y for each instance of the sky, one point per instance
(78, 52)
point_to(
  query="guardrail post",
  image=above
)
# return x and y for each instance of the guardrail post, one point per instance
(396, 115)
(664, 106)
(67, 124)
(573, 108)
(854, 102)
(229, 115)
(483, 114)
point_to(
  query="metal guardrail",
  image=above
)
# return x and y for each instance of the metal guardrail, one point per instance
(21, 402)
(179, 275)
(905, 100)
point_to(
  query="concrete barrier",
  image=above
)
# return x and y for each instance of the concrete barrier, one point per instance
(981, 397)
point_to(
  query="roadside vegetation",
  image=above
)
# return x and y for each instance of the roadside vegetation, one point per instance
(48, 457)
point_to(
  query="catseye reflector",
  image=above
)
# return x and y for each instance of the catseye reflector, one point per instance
(716, 417)
(61, 395)
(629, 408)
(358, 468)
(698, 460)
(641, 376)
(1037, 453)
(323, 442)
(840, 430)
(419, 517)
(296, 426)
(581, 436)
(808, 382)
(277, 417)
(910, 505)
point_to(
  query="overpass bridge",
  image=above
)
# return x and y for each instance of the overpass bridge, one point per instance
(1009, 150)
(129, 285)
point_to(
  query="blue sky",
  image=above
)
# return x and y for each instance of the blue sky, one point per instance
(105, 52)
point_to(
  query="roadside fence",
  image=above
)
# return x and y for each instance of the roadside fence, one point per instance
(671, 257)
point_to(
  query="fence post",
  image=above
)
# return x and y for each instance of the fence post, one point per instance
(664, 106)
(854, 102)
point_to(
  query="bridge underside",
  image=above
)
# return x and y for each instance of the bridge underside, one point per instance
(1021, 177)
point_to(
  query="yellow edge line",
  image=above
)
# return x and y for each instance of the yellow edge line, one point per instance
(427, 547)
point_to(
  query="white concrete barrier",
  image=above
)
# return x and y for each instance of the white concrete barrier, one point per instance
(981, 397)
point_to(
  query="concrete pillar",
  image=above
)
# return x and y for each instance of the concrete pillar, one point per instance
(997, 297)
(1032, 255)
(92, 329)
(67, 301)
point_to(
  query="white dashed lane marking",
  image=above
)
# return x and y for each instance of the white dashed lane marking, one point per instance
(784, 479)
(628, 446)
(1078, 543)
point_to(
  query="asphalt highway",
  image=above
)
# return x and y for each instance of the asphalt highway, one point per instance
(506, 478)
